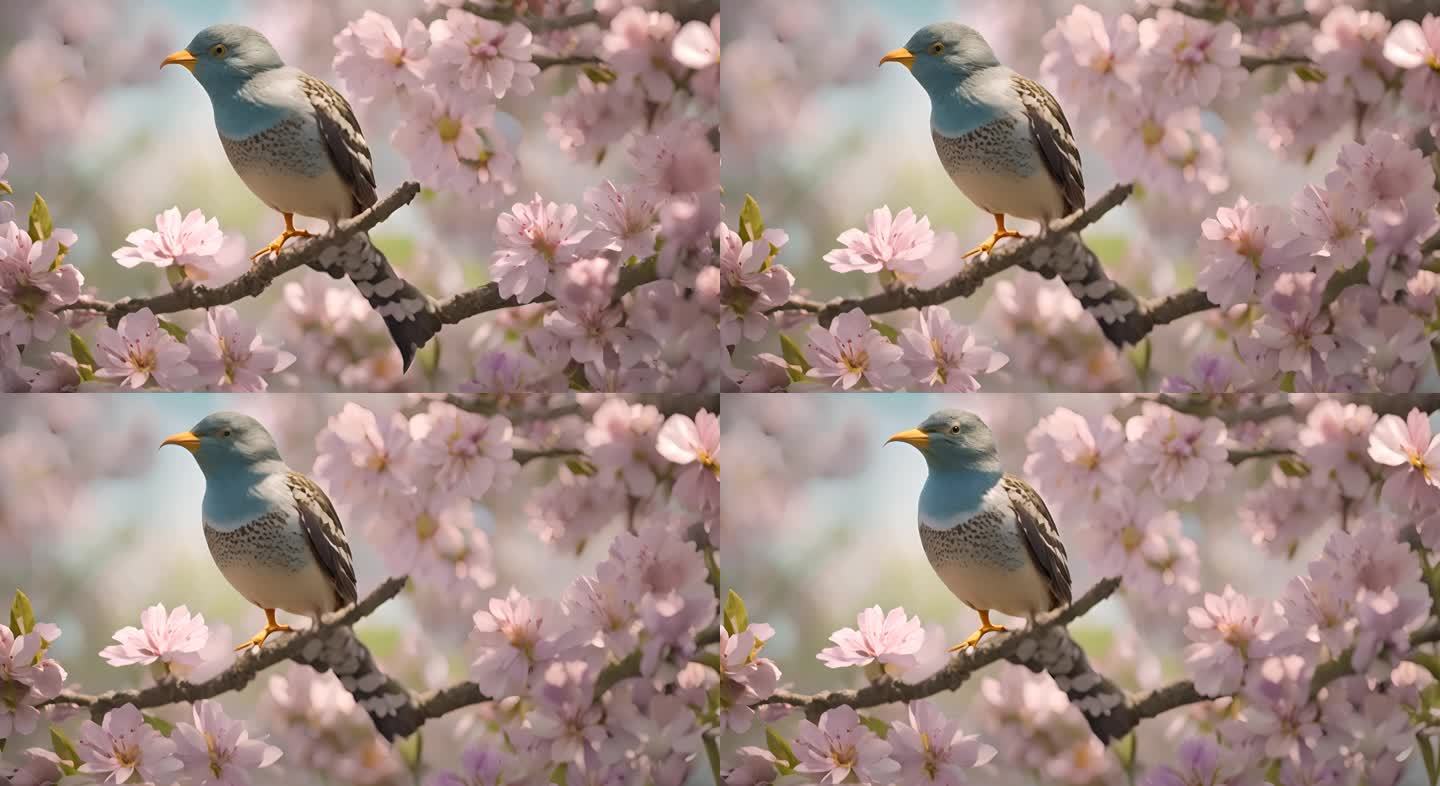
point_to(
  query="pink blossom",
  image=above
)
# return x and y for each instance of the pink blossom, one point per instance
(624, 220)
(745, 677)
(899, 244)
(1200, 763)
(514, 639)
(1185, 62)
(1138, 539)
(622, 439)
(840, 744)
(31, 292)
(218, 751)
(469, 53)
(191, 243)
(536, 239)
(1297, 119)
(1092, 60)
(852, 351)
(125, 744)
(943, 355)
(889, 639)
(1294, 330)
(455, 147)
(138, 350)
(1332, 219)
(697, 46)
(931, 748)
(365, 461)
(639, 47)
(1228, 633)
(1246, 248)
(750, 283)
(175, 640)
(1349, 49)
(1334, 442)
(1167, 151)
(25, 683)
(695, 443)
(1407, 443)
(1415, 47)
(374, 61)
(229, 354)
(463, 453)
(1077, 460)
(1185, 453)
(1383, 171)
(677, 160)
(40, 768)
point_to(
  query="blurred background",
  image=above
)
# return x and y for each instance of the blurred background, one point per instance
(97, 523)
(820, 520)
(110, 140)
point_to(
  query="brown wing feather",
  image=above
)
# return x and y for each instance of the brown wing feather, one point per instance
(1041, 538)
(1056, 141)
(326, 535)
(343, 140)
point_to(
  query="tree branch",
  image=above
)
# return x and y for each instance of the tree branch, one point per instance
(305, 252)
(487, 297)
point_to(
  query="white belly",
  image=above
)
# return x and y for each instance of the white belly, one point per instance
(1034, 196)
(1019, 593)
(324, 196)
(306, 591)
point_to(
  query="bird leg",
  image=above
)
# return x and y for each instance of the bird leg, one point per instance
(279, 242)
(985, 627)
(1000, 232)
(271, 626)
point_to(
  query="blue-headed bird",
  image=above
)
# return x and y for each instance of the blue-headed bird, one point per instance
(296, 144)
(1002, 138)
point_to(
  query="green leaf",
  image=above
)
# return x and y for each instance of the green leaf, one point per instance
(737, 618)
(793, 356)
(80, 350)
(580, 467)
(1141, 356)
(62, 746)
(1287, 382)
(1293, 467)
(779, 748)
(430, 358)
(557, 775)
(752, 225)
(5, 188)
(885, 330)
(876, 725)
(173, 329)
(598, 74)
(1428, 660)
(1427, 753)
(712, 752)
(1309, 73)
(411, 750)
(41, 226)
(159, 724)
(22, 614)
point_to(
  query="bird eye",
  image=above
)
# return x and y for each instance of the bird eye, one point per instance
(955, 429)
(936, 48)
(219, 51)
(226, 432)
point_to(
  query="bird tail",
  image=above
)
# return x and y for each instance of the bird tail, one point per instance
(387, 702)
(1102, 702)
(409, 314)
(1114, 308)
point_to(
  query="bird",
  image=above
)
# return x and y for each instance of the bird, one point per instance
(272, 532)
(295, 142)
(987, 534)
(1002, 138)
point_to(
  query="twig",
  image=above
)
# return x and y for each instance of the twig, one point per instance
(486, 297)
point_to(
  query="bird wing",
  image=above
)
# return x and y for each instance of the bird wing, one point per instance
(325, 534)
(1052, 135)
(1041, 537)
(343, 140)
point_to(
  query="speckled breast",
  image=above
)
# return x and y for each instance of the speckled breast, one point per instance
(270, 541)
(984, 540)
(292, 146)
(995, 147)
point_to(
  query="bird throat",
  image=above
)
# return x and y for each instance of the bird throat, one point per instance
(952, 497)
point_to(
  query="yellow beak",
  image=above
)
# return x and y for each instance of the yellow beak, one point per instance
(183, 57)
(184, 439)
(912, 436)
(901, 56)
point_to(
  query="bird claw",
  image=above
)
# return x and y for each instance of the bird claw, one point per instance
(984, 248)
(258, 640)
(279, 242)
(975, 637)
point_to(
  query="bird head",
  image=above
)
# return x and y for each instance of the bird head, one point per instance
(953, 439)
(223, 57)
(943, 54)
(228, 442)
